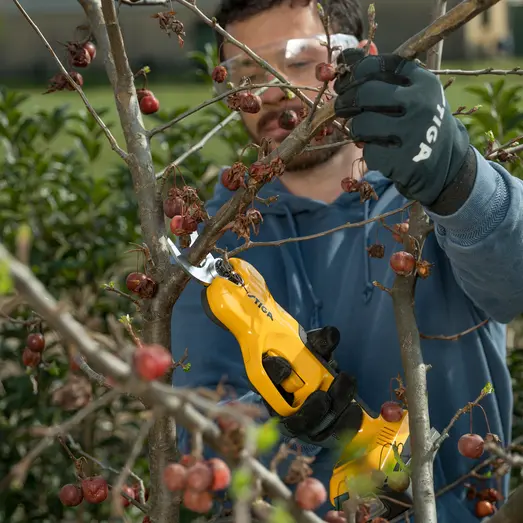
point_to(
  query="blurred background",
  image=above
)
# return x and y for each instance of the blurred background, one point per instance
(59, 176)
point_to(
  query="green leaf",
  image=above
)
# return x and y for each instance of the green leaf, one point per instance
(487, 389)
(240, 483)
(280, 514)
(267, 435)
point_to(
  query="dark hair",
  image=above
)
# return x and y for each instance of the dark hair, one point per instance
(345, 15)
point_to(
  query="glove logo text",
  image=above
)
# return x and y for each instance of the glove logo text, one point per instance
(432, 132)
(261, 306)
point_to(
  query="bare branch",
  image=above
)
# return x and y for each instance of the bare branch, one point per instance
(478, 72)
(114, 145)
(348, 225)
(454, 337)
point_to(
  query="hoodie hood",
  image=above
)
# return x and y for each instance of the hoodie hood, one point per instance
(288, 206)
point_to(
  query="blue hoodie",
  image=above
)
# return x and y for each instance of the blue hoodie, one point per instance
(477, 274)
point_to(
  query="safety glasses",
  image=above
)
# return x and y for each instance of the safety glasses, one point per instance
(295, 59)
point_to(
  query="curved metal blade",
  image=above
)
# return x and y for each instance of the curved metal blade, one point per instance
(205, 273)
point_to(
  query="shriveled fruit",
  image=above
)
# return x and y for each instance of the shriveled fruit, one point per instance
(373, 50)
(490, 494)
(183, 225)
(219, 74)
(398, 481)
(199, 477)
(200, 502)
(35, 342)
(391, 411)
(310, 494)
(471, 446)
(30, 358)
(78, 79)
(288, 120)
(484, 509)
(149, 104)
(173, 207)
(95, 489)
(152, 361)
(130, 492)
(250, 103)
(350, 184)
(188, 460)
(230, 181)
(325, 72)
(399, 230)
(71, 495)
(335, 516)
(402, 263)
(221, 474)
(91, 49)
(134, 280)
(80, 57)
(175, 476)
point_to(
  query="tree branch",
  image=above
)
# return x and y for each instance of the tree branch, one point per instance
(511, 510)
(114, 145)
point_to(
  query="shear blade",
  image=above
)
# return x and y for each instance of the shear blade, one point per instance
(204, 273)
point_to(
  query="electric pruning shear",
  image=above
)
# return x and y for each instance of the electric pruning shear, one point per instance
(236, 298)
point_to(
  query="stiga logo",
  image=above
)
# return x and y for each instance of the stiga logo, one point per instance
(261, 306)
(425, 149)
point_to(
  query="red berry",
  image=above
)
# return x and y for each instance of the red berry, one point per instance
(175, 476)
(325, 72)
(173, 206)
(471, 446)
(142, 93)
(250, 103)
(391, 411)
(398, 481)
(403, 263)
(177, 225)
(30, 358)
(188, 460)
(221, 474)
(71, 495)
(146, 519)
(91, 49)
(399, 230)
(130, 492)
(35, 342)
(219, 74)
(484, 509)
(149, 104)
(310, 494)
(134, 280)
(199, 477)
(152, 361)
(200, 502)
(95, 489)
(373, 50)
(288, 120)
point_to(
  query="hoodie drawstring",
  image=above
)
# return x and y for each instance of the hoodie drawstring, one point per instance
(294, 298)
(369, 287)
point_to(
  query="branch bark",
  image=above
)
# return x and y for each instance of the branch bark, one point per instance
(511, 510)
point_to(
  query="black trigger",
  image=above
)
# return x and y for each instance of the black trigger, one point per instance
(208, 311)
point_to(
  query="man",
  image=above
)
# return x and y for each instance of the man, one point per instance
(414, 149)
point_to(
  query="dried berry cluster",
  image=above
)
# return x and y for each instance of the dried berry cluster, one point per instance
(185, 209)
(170, 24)
(486, 500)
(34, 346)
(79, 55)
(197, 480)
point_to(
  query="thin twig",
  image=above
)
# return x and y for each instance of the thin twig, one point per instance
(477, 72)
(453, 337)
(109, 288)
(348, 225)
(114, 145)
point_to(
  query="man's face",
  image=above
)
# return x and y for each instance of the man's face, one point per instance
(266, 34)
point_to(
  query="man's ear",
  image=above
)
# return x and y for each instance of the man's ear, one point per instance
(373, 49)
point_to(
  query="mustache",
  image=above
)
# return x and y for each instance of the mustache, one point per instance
(275, 114)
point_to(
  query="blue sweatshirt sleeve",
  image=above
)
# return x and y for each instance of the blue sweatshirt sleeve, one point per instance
(484, 241)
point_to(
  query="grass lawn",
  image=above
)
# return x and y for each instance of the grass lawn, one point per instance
(172, 96)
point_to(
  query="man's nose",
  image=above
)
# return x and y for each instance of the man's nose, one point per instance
(273, 95)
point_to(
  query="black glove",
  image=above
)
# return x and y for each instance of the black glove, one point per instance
(325, 417)
(400, 113)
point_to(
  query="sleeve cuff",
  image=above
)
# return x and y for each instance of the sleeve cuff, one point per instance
(481, 214)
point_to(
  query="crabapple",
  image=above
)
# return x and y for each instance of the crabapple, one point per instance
(95, 489)
(152, 361)
(310, 494)
(200, 502)
(199, 477)
(134, 280)
(325, 72)
(71, 495)
(35, 342)
(391, 411)
(91, 49)
(484, 509)
(175, 476)
(402, 263)
(149, 104)
(130, 492)
(219, 74)
(30, 358)
(221, 474)
(471, 445)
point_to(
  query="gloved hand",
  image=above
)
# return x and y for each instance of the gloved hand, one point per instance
(400, 113)
(324, 417)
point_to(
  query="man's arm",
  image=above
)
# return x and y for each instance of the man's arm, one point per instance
(479, 224)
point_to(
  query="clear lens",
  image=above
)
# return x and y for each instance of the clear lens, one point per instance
(295, 59)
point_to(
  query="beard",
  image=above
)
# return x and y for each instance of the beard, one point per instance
(306, 159)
